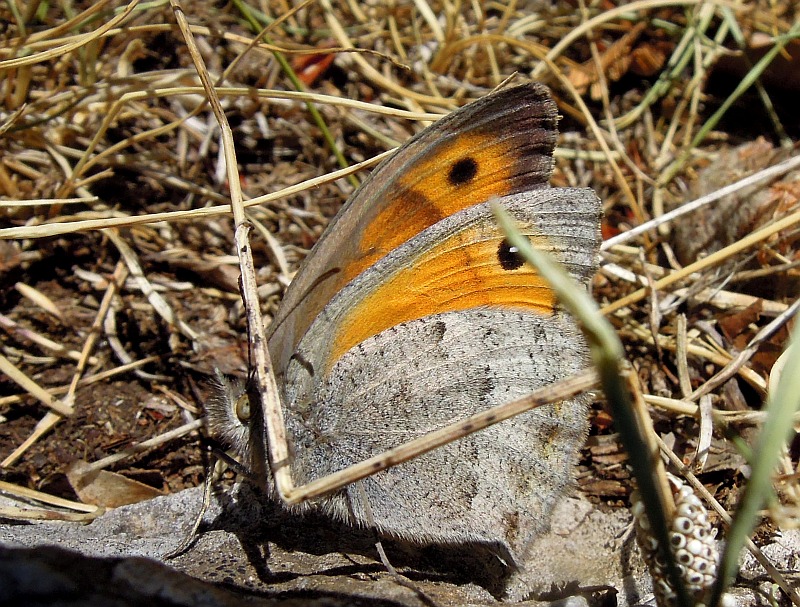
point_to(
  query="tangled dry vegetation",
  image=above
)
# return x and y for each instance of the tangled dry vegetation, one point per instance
(119, 279)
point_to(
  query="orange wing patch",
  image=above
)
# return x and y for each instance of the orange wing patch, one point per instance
(464, 271)
(469, 170)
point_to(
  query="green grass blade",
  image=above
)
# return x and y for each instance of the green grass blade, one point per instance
(607, 354)
(778, 427)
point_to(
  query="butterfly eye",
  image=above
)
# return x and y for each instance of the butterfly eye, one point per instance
(509, 256)
(242, 408)
(463, 171)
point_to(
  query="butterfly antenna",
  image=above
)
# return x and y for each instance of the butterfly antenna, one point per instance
(398, 577)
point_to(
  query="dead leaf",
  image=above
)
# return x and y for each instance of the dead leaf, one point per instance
(107, 489)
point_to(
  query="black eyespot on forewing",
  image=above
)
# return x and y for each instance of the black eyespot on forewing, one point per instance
(509, 256)
(463, 171)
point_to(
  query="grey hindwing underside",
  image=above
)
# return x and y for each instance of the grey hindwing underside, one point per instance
(497, 485)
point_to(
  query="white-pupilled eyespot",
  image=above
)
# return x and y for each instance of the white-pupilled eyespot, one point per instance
(684, 524)
(678, 540)
(700, 532)
(694, 578)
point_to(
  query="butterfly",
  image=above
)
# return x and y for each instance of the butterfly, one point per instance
(412, 311)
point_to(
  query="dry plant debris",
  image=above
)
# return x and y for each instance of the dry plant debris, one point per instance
(119, 283)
